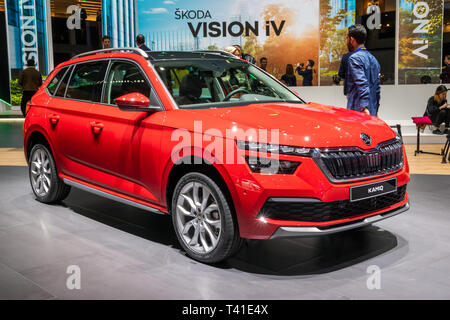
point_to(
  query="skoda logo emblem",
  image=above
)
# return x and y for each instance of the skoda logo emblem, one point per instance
(366, 139)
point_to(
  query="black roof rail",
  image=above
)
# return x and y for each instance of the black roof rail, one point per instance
(219, 52)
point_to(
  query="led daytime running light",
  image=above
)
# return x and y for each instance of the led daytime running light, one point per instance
(273, 148)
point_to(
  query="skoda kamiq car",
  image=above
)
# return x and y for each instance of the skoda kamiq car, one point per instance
(217, 143)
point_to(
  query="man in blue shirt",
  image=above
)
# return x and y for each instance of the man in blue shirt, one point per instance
(363, 74)
(343, 70)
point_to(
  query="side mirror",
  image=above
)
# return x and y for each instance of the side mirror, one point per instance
(134, 101)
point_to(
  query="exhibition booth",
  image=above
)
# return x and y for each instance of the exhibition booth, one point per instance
(112, 187)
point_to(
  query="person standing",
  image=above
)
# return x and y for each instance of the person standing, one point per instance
(234, 51)
(140, 42)
(363, 74)
(263, 63)
(98, 19)
(306, 72)
(343, 70)
(245, 56)
(30, 80)
(289, 78)
(106, 42)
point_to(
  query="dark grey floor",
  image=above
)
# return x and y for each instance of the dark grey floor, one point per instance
(127, 253)
(11, 134)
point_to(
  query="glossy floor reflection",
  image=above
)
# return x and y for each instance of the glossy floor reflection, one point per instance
(127, 253)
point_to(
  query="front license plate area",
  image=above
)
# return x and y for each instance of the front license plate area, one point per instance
(371, 190)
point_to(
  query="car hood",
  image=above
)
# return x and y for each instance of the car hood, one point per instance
(305, 125)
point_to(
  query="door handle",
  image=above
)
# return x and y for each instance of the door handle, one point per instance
(96, 127)
(54, 118)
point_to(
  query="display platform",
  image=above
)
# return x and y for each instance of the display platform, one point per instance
(126, 253)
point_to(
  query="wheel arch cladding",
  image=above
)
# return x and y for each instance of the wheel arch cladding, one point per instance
(197, 164)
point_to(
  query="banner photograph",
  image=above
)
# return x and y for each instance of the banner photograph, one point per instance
(286, 33)
(334, 21)
(420, 41)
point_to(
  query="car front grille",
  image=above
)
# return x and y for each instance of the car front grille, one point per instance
(350, 164)
(318, 211)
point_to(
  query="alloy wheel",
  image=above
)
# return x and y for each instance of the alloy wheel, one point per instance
(41, 173)
(198, 217)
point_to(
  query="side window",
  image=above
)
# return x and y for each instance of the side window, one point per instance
(51, 87)
(84, 81)
(189, 85)
(124, 77)
(63, 83)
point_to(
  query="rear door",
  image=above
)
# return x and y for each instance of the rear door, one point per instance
(69, 115)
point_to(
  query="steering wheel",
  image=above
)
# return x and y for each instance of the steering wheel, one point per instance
(232, 93)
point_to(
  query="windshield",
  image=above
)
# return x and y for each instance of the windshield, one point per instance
(212, 83)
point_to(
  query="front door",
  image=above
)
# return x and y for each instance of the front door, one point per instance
(124, 145)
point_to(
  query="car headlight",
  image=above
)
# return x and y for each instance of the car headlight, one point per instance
(274, 148)
(271, 166)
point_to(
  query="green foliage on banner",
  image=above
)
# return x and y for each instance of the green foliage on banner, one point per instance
(16, 92)
(213, 47)
(287, 48)
(332, 41)
(411, 66)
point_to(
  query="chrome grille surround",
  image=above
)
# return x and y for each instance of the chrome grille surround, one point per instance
(353, 163)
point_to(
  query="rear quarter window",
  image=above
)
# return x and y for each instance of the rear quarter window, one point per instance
(53, 85)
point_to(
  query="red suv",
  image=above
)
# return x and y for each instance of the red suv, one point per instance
(223, 147)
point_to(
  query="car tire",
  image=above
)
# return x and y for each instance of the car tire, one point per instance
(206, 229)
(45, 182)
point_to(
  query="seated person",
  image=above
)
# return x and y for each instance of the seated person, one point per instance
(234, 80)
(190, 90)
(438, 110)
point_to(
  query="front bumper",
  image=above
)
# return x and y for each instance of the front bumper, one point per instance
(290, 232)
(328, 202)
(314, 210)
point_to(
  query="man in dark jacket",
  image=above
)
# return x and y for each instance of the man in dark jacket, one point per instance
(30, 80)
(140, 41)
(106, 42)
(306, 72)
(263, 63)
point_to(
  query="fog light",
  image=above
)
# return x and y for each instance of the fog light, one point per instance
(263, 220)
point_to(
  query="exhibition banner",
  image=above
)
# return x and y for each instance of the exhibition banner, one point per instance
(420, 41)
(27, 33)
(27, 39)
(335, 18)
(283, 31)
